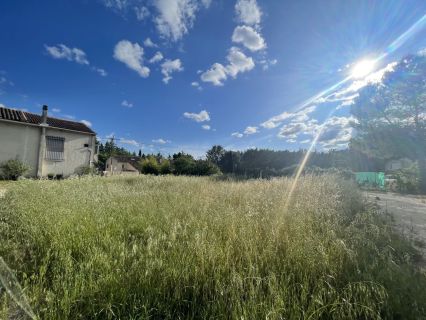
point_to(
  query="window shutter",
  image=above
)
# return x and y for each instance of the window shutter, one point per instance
(55, 148)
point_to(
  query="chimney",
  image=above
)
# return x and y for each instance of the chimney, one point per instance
(44, 115)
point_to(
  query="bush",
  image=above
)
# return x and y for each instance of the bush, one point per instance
(408, 179)
(205, 168)
(150, 166)
(82, 171)
(165, 167)
(184, 164)
(13, 169)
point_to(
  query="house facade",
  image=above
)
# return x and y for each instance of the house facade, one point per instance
(50, 146)
(398, 164)
(122, 165)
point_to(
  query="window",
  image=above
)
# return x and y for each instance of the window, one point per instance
(55, 148)
(86, 145)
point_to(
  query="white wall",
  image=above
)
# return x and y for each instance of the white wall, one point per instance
(18, 141)
(75, 154)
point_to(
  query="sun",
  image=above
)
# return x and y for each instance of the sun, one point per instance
(363, 68)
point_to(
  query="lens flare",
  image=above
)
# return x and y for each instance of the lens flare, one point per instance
(363, 68)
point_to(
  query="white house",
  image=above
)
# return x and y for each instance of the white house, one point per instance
(398, 164)
(122, 165)
(50, 146)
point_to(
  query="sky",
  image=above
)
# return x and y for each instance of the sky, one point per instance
(183, 75)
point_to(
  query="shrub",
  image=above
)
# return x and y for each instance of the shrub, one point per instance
(408, 179)
(150, 166)
(13, 169)
(85, 171)
(184, 164)
(165, 167)
(205, 168)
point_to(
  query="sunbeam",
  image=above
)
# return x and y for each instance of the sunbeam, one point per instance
(360, 70)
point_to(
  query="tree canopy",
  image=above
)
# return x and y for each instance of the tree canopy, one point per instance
(391, 115)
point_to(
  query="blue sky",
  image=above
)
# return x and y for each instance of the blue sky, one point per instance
(240, 73)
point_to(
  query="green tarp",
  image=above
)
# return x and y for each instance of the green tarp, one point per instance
(371, 179)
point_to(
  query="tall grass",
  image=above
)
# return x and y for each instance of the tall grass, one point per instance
(195, 248)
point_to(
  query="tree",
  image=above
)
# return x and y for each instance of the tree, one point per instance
(391, 116)
(150, 166)
(215, 154)
(205, 168)
(183, 164)
(165, 167)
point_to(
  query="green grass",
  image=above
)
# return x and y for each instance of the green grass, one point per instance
(195, 248)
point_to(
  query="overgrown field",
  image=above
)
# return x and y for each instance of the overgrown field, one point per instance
(180, 247)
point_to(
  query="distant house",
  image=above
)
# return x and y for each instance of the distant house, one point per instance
(124, 165)
(398, 164)
(50, 146)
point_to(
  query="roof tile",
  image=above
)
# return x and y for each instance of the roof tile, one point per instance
(32, 118)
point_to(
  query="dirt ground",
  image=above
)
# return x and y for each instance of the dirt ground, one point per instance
(408, 212)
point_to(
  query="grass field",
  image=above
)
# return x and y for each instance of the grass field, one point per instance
(180, 247)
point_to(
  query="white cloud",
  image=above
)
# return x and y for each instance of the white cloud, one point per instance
(86, 123)
(148, 43)
(266, 64)
(206, 3)
(355, 86)
(129, 142)
(251, 130)
(77, 55)
(175, 17)
(118, 5)
(216, 74)
(126, 104)
(198, 117)
(277, 120)
(249, 37)
(336, 132)
(157, 57)
(238, 62)
(248, 12)
(61, 51)
(293, 129)
(142, 13)
(170, 66)
(160, 141)
(101, 71)
(131, 54)
(56, 110)
(206, 127)
(237, 135)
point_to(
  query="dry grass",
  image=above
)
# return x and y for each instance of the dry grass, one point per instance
(181, 247)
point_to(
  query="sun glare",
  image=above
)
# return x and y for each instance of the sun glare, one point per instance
(363, 68)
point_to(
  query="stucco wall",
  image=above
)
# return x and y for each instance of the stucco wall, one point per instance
(75, 154)
(21, 142)
(115, 167)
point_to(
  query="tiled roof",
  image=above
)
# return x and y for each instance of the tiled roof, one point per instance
(32, 118)
(128, 159)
